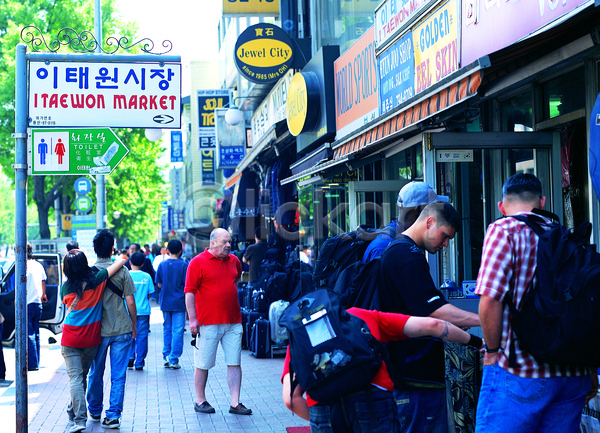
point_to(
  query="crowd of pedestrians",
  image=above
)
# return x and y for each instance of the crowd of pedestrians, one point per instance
(109, 309)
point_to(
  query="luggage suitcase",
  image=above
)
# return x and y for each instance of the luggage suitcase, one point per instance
(260, 342)
(245, 339)
(259, 301)
(243, 295)
(253, 316)
(279, 334)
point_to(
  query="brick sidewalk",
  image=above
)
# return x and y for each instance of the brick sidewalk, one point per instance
(156, 399)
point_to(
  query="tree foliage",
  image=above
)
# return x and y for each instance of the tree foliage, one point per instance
(50, 16)
(136, 189)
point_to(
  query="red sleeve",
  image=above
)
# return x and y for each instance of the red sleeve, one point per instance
(193, 276)
(286, 364)
(384, 326)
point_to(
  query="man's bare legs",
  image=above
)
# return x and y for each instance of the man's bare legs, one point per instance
(200, 378)
(234, 380)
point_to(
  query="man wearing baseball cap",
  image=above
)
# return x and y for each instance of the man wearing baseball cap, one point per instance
(412, 199)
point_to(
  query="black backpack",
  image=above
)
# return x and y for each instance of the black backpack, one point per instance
(560, 314)
(332, 352)
(359, 285)
(340, 251)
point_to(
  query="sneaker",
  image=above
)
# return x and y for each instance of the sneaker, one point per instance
(174, 366)
(76, 428)
(166, 364)
(130, 363)
(95, 418)
(240, 409)
(205, 407)
(111, 423)
(139, 368)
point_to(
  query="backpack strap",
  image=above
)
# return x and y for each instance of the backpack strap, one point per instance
(110, 284)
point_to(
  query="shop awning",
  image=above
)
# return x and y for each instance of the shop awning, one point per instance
(446, 94)
(232, 180)
(454, 93)
(269, 137)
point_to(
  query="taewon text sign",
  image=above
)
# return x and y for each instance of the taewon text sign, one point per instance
(126, 95)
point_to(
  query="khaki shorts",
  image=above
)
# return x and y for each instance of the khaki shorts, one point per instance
(230, 336)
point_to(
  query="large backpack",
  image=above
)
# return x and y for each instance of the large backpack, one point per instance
(359, 284)
(332, 352)
(559, 318)
(340, 251)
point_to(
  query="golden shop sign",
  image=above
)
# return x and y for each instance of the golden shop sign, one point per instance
(263, 53)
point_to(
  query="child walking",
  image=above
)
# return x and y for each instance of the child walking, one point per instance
(144, 288)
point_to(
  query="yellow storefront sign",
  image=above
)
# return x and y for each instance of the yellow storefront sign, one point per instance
(250, 7)
(297, 103)
(436, 46)
(264, 53)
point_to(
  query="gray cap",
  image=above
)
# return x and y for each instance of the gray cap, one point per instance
(415, 194)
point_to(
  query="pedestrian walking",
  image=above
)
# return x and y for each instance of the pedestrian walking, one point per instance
(82, 293)
(215, 317)
(143, 289)
(170, 278)
(528, 396)
(119, 328)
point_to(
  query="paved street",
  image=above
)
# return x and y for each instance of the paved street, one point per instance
(156, 399)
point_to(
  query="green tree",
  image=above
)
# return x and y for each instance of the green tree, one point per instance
(136, 189)
(50, 16)
(7, 211)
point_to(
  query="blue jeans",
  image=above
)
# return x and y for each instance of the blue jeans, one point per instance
(34, 313)
(119, 356)
(174, 322)
(77, 362)
(508, 403)
(373, 411)
(139, 345)
(422, 410)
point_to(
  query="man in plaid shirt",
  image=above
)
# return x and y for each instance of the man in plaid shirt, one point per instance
(529, 396)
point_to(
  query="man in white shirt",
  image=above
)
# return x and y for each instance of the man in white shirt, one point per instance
(36, 294)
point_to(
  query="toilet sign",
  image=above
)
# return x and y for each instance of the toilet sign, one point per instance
(74, 151)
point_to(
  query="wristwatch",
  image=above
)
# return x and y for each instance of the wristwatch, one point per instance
(488, 350)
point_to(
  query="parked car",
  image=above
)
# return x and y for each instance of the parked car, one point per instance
(53, 311)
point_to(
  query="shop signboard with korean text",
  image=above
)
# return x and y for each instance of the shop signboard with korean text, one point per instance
(176, 146)
(208, 102)
(397, 73)
(86, 94)
(392, 17)
(74, 151)
(272, 109)
(231, 141)
(263, 53)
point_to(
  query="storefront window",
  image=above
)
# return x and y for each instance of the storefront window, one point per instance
(516, 113)
(563, 94)
(342, 22)
(406, 165)
(306, 216)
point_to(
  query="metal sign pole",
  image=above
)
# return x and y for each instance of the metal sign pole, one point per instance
(22, 84)
(100, 179)
(20, 167)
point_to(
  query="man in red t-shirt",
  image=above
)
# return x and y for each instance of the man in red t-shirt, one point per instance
(212, 304)
(344, 415)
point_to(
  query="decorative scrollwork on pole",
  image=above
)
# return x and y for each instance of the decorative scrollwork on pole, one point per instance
(86, 42)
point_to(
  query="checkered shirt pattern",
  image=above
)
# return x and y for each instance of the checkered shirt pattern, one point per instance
(508, 265)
